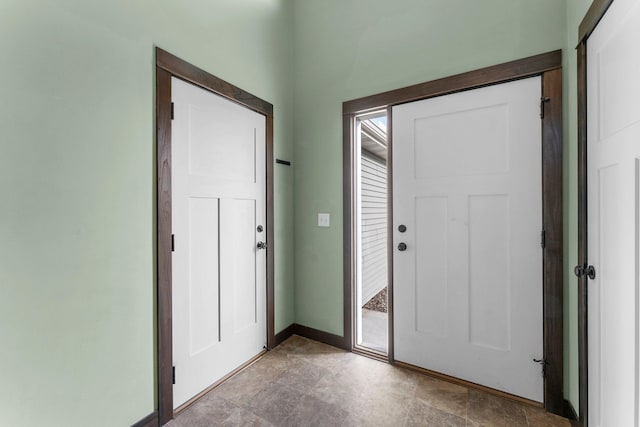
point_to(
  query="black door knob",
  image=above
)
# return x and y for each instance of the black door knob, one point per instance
(402, 246)
(578, 271)
(589, 271)
(262, 245)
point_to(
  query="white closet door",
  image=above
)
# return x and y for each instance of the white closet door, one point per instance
(613, 150)
(218, 202)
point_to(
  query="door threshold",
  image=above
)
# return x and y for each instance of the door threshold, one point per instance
(222, 380)
(469, 384)
(371, 353)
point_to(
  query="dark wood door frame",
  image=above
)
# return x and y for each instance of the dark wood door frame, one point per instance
(548, 66)
(167, 66)
(587, 26)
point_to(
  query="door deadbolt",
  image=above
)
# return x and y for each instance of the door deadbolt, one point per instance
(402, 228)
(260, 229)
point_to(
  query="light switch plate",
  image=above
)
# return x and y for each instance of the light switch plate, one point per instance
(324, 220)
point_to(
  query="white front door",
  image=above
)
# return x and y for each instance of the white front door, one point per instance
(218, 209)
(467, 187)
(613, 169)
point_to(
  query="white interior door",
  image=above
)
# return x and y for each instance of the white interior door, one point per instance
(218, 202)
(467, 187)
(613, 150)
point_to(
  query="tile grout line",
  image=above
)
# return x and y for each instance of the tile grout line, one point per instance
(466, 410)
(526, 416)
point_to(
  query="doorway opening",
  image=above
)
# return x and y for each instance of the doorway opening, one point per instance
(169, 67)
(548, 67)
(371, 302)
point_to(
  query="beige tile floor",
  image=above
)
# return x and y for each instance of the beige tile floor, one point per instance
(305, 383)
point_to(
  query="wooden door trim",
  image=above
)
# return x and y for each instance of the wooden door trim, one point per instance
(167, 66)
(589, 23)
(549, 67)
(592, 18)
(553, 289)
(501, 73)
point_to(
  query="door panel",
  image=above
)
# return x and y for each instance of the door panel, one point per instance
(489, 287)
(467, 185)
(223, 150)
(462, 155)
(204, 323)
(218, 200)
(613, 147)
(431, 247)
(239, 265)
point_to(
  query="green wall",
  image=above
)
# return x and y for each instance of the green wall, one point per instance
(353, 48)
(77, 263)
(576, 10)
(375, 45)
(77, 267)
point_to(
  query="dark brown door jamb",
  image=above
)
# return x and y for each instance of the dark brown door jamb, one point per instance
(589, 22)
(548, 66)
(168, 66)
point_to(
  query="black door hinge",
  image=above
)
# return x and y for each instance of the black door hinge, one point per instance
(173, 370)
(543, 239)
(173, 243)
(543, 100)
(172, 111)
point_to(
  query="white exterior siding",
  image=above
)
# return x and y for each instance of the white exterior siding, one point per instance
(374, 226)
